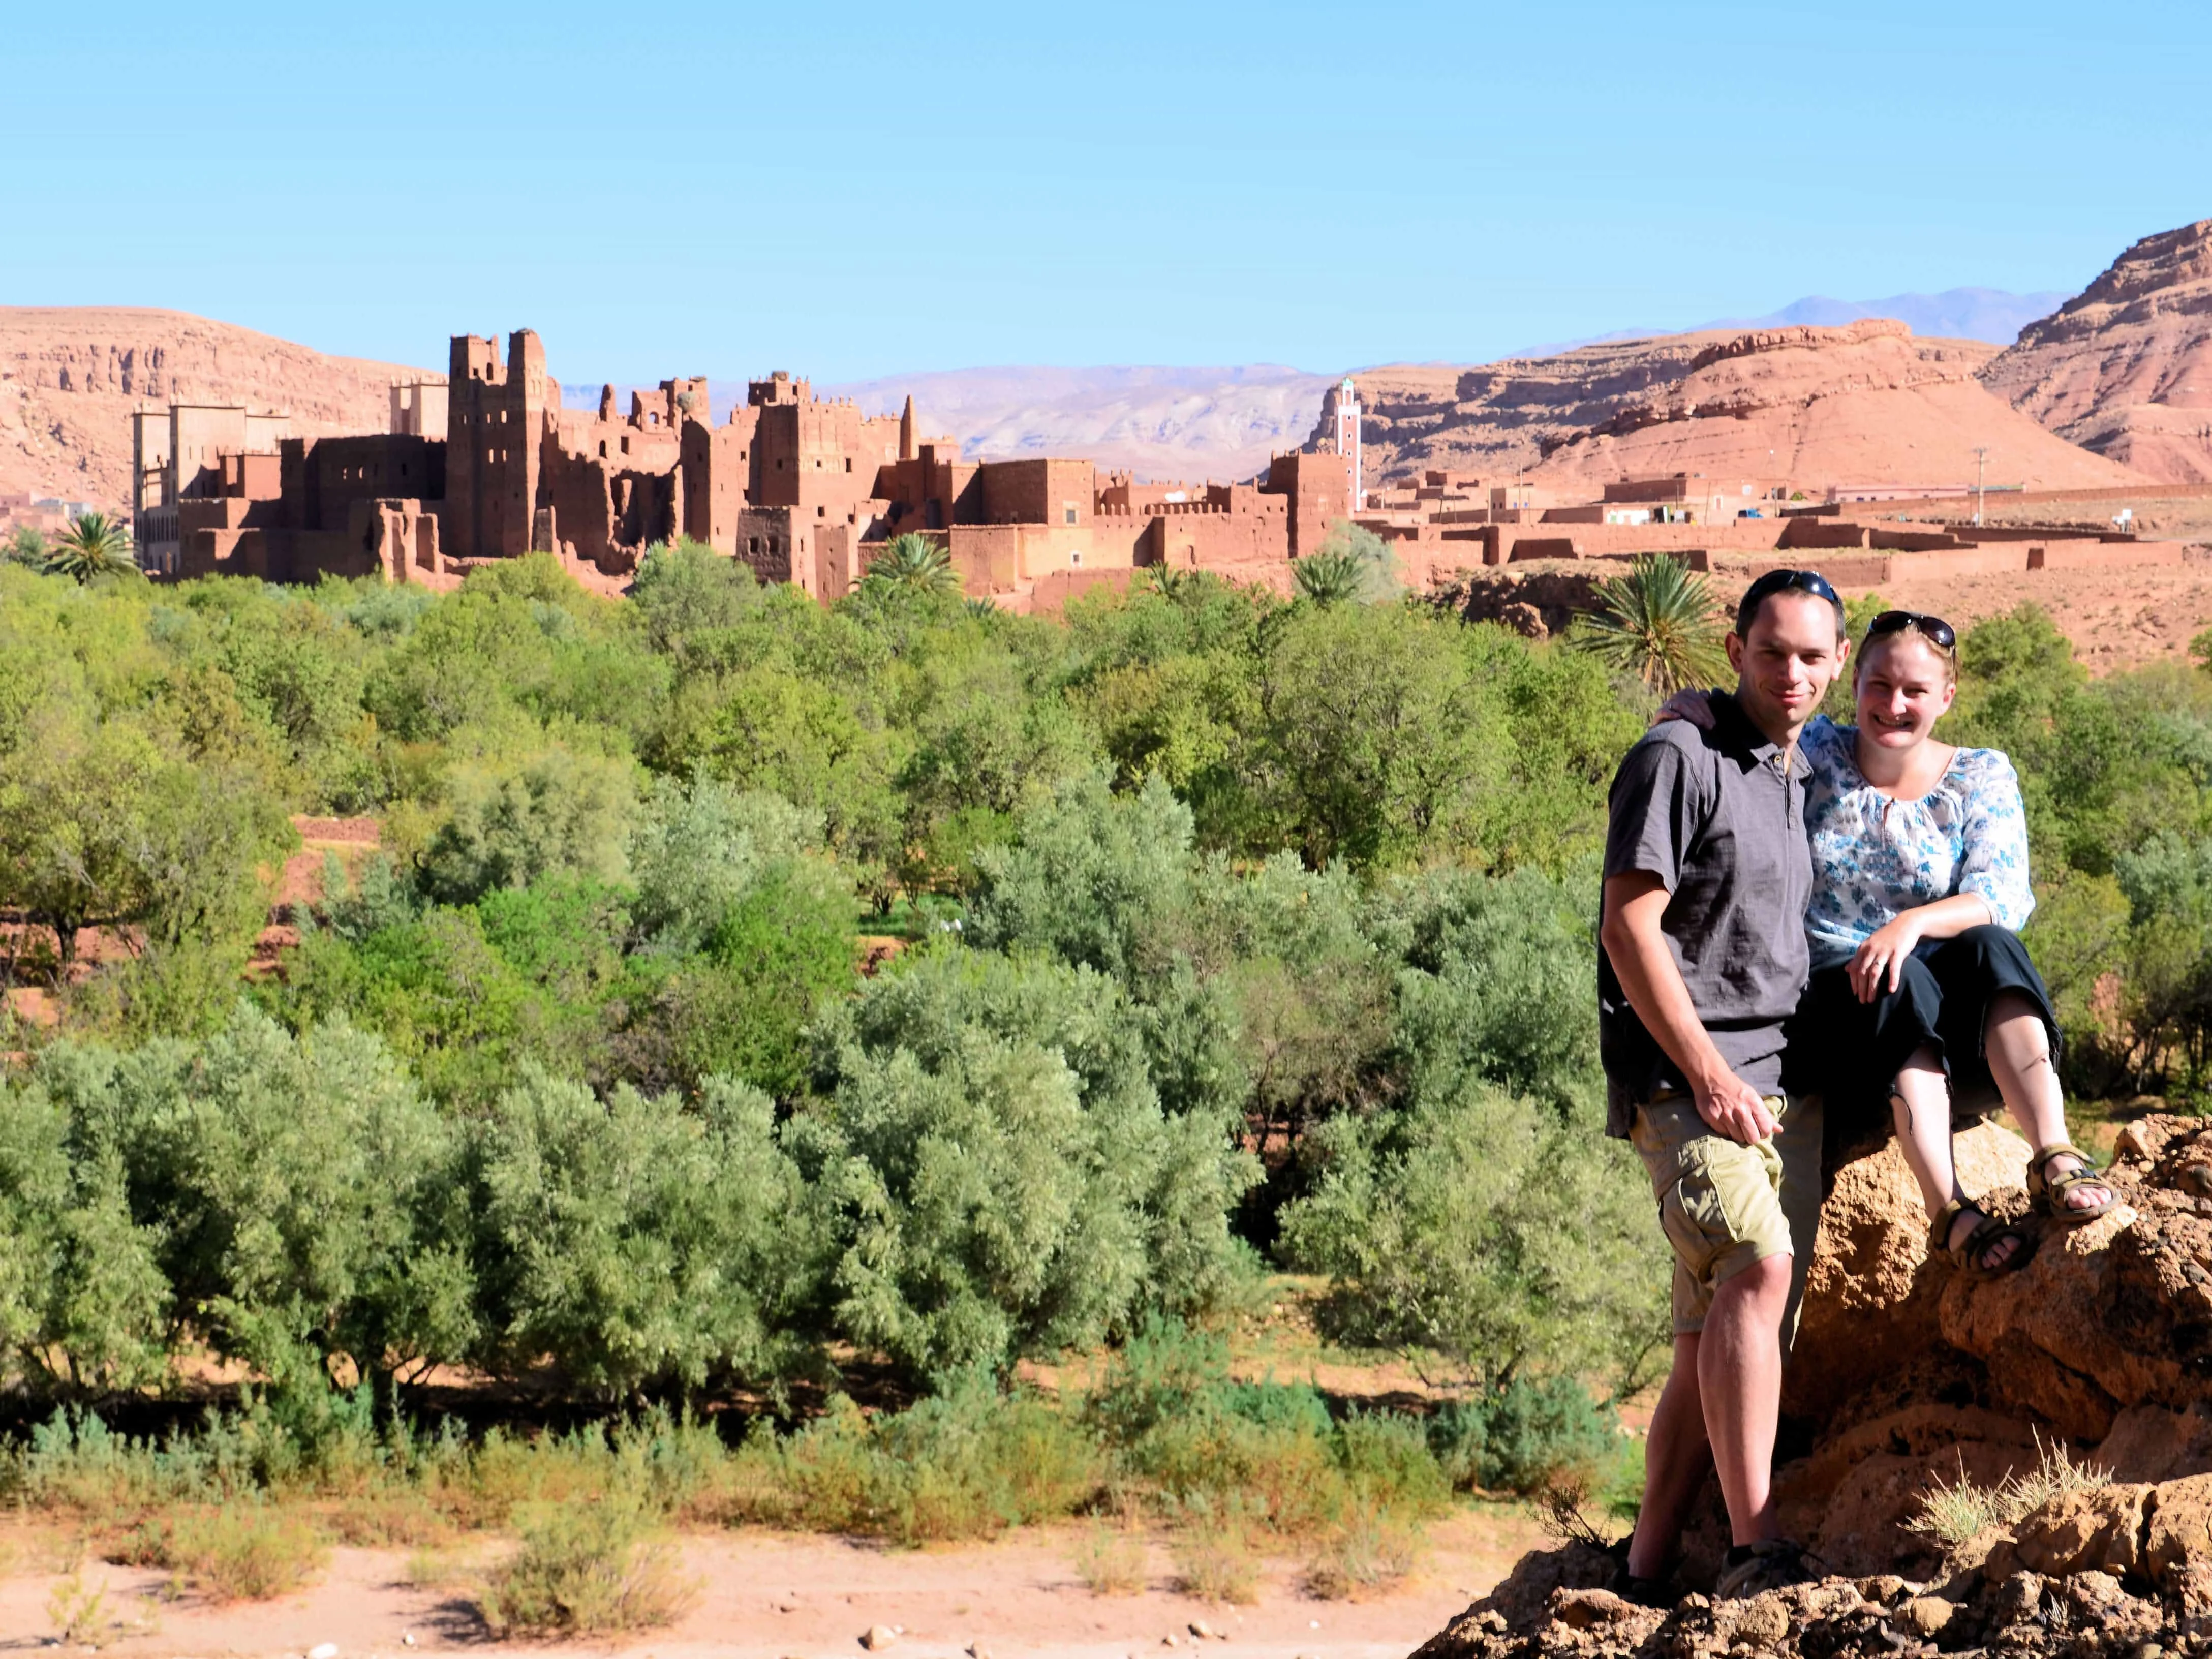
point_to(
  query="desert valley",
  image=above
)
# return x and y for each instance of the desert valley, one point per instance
(715, 957)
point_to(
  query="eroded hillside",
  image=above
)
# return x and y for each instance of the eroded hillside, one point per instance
(1867, 401)
(2125, 367)
(70, 376)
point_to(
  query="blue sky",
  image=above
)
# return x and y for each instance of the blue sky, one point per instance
(861, 190)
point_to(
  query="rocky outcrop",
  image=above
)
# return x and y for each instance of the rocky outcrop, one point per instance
(1551, 1606)
(1908, 1376)
(70, 376)
(1867, 402)
(2124, 368)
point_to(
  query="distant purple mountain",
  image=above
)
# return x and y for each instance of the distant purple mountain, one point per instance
(1956, 314)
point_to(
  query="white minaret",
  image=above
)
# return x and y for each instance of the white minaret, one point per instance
(1347, 438)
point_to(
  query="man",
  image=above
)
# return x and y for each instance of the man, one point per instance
(1707, 875)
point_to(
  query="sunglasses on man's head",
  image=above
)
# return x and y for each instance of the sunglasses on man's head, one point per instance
(1781, 581)
(1896, 621)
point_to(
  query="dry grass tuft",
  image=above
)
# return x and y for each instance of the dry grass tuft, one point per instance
(1371, 1552)
(1952, 1513)
(1111, 1560)
(1215, 1558)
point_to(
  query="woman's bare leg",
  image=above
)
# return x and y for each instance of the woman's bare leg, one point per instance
(2019, 1051)
(1920, 1105)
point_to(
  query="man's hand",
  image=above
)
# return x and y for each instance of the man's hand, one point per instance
(1732, 1107)
(1879, 965)
(1635, 941)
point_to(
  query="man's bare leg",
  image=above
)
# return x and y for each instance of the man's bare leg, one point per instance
(1675, 1457)
(1739, 1384)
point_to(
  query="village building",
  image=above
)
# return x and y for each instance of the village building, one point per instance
(490, 464)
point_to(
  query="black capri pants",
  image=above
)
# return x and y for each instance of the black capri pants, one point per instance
(1849, 1051)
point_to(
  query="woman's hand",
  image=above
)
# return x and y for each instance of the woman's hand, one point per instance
(1695, 707)
(1879, 965)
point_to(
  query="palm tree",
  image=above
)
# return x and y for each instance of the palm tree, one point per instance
(1658, 623)
(92, 545)
(1332, 576)
(1168, 582)
(913, 563)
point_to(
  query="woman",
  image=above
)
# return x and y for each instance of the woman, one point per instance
(1919, 979)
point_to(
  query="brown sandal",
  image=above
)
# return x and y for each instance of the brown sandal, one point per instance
(1993, 1231)
(2049, 1191)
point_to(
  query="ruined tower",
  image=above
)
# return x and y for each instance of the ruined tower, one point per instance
(496, 420)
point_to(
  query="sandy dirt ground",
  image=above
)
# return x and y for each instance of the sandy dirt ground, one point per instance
(775, 1596)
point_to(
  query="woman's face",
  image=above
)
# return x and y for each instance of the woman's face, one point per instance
(1904, 687)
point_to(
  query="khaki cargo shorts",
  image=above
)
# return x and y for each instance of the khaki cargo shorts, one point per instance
(1725, 1206)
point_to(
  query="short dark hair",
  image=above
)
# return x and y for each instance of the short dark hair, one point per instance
(1786, 581)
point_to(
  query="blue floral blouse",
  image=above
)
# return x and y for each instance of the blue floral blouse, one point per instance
(1873, 857)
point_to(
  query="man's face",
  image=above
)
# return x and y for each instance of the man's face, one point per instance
(1784, 664)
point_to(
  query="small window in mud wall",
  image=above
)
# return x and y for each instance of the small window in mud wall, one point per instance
(848, 464)
(752, 544)
(603, 449)
(1075, 558)
(821, 512)
(1067, 512)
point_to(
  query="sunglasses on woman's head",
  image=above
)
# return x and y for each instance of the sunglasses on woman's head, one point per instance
(1896, 621)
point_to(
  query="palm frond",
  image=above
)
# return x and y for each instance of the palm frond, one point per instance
(1332, 576)
(913, 562)
(1658, 623)
(92, 545)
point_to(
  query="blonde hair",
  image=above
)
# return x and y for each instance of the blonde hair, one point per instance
(1946, 654)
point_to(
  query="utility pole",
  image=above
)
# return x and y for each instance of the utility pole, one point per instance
(1981, 478)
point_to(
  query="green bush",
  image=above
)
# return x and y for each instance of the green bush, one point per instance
(1090, 878)
(1004, 1179)
(303, 1192)
(1481, 1226)
(560, 813)
(1528, 1436)
(968, 1463)
(1494, 984)
(635, 1242)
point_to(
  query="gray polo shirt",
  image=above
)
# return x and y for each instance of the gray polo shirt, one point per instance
(1719, 817)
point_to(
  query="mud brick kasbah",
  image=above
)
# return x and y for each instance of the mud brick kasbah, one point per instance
(803, 489)
(489, 465)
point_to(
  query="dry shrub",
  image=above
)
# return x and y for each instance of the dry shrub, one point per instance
(1215, 1557)
(77, 1611)
(240, 1552)
(1111, 1560)
(430, 1568)
(585, 1569)
(1371, 1552)
(386, 1518)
